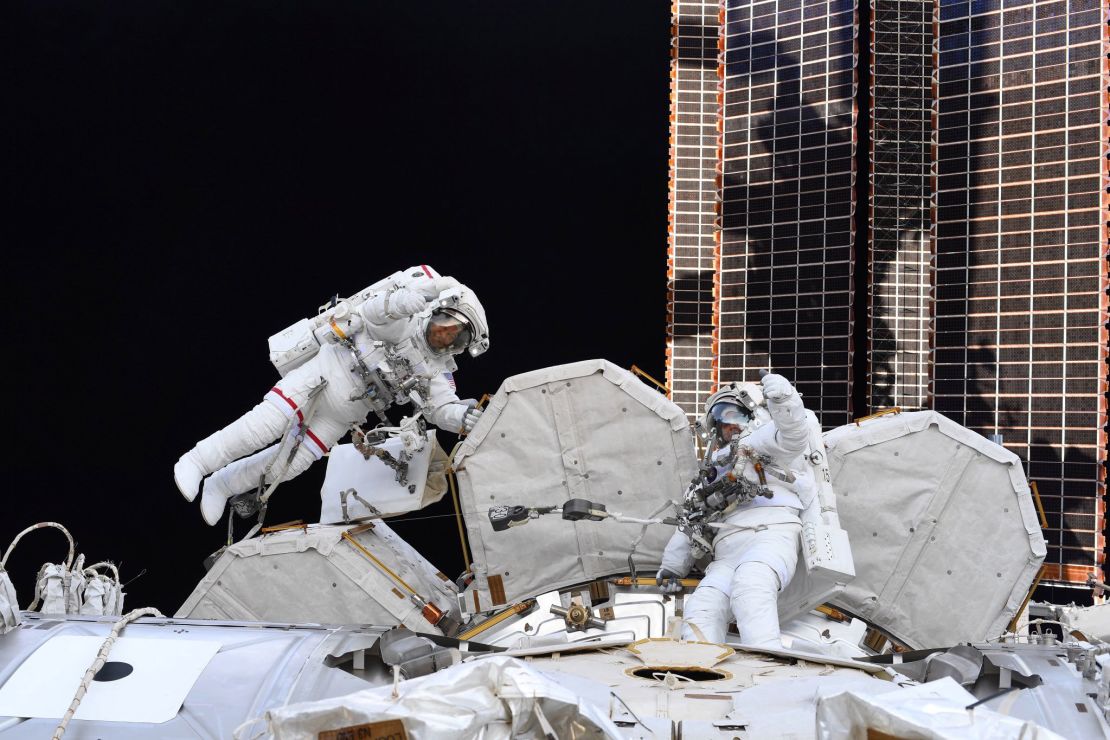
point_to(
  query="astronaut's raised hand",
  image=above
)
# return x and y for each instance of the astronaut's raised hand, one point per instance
(404, 302)
(671, 583)
(784, 403)
(776, 387)
(471, 419)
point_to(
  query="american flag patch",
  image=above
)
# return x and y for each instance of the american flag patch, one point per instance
(450, 379)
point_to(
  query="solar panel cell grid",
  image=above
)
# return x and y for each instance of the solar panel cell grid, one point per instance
(899, 238)
(1017, 194)
(692, 261)
(787, 195)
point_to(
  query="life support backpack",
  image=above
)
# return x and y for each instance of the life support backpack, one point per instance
(297, 344)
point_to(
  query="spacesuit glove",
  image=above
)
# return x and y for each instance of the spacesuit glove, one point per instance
(404, 302)
(471, 419)
(670, 582)
(776, 387)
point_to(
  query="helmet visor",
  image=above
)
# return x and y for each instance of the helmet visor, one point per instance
(725, 413)
(447, 331)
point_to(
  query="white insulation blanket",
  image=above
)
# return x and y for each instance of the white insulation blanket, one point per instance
(587, 430)
(62, 589)
(495, 698)
(943, 527)
(933, 711)
(317, 575)
(103, 596)
(9, 606)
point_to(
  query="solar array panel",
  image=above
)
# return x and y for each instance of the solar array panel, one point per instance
(988, 217)
(787, 197)
(1021, 308)
(691, 256)
(899, 214)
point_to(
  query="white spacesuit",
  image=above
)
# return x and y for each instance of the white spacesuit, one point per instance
(755, 551)
(393, 343)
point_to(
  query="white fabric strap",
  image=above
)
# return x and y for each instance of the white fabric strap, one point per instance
(695, 629)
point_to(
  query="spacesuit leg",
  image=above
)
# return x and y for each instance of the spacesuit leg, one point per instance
(755, 595)
(251, 431)
(708, 607)
(764, 567)
(246, 474)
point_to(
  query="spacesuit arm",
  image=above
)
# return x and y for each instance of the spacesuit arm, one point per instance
(791, 431)
(677, 556)
(444, 408)
(430, 288)
(423, 279)
(393, 305)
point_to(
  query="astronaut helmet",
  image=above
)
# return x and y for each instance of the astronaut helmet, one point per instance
(455, 322)
(735, 409)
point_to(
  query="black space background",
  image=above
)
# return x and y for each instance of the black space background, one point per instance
(182, 180)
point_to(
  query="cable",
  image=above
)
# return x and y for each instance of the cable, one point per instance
(101, 659)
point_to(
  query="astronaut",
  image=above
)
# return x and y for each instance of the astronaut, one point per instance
(393, 343)
(755, 549)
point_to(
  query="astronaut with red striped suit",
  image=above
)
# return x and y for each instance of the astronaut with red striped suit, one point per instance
(393, 342)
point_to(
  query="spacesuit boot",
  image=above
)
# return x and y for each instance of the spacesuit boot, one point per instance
(213, 500)
(241, 476)
(755, 588)
(251, 431)
(187, 474)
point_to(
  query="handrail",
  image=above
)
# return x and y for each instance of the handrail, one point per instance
(637, 371)
(105, 564)
(33, 527)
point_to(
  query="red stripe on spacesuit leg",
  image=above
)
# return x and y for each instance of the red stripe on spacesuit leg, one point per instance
(316, 440)
(277, 391)
(427, 271)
